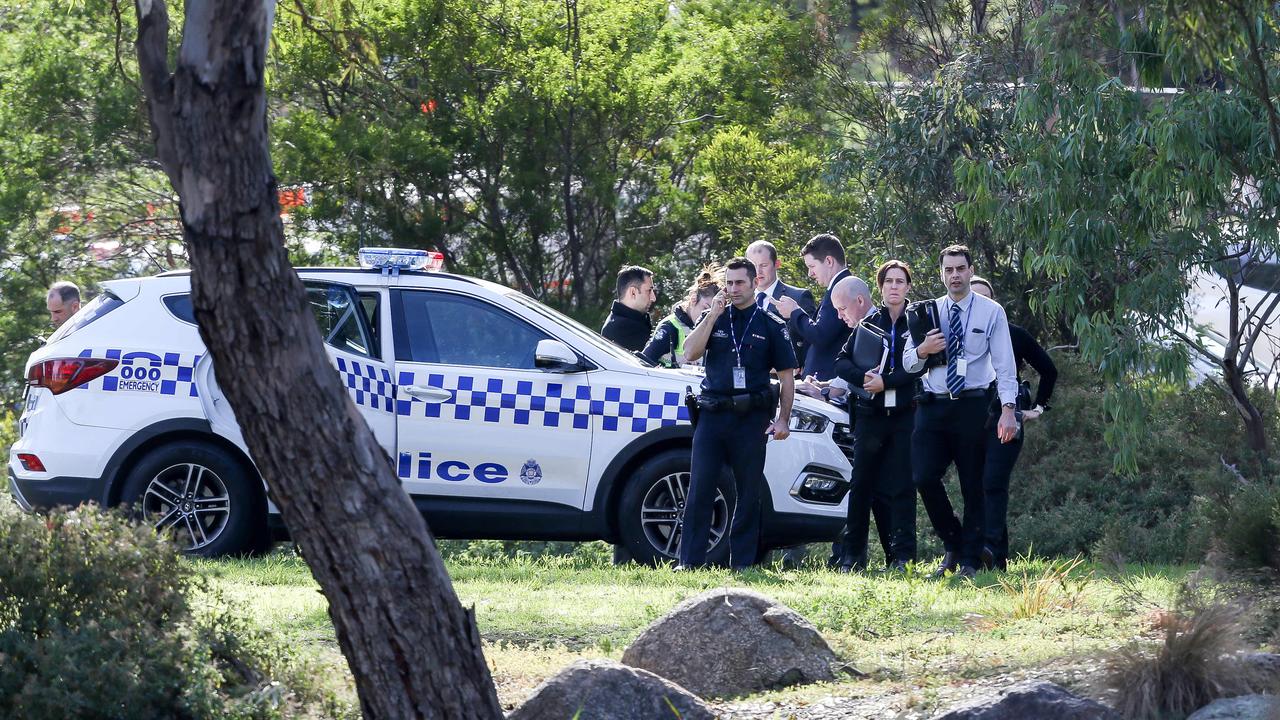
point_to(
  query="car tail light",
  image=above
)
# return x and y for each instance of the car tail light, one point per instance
(64, 374)
(30, 462)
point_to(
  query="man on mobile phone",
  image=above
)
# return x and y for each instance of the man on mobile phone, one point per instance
(738, 411)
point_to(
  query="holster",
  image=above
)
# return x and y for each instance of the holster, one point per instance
(691, 403)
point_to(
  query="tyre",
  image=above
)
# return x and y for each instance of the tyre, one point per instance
(201, 494)
(651, 510)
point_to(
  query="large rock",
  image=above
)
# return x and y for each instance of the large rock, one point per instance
(1263, 666)
(732, 642)
(1245, 707)
(605, 690)
(1040, 700)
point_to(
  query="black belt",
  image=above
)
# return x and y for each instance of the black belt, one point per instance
(974, 392)
(739, 402)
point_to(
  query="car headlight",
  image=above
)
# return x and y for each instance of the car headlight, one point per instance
(807, 422)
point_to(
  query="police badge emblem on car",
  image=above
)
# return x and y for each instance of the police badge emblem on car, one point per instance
(531, 473)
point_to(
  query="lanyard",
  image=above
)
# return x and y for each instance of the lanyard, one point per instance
(737, 341)
(893, 344)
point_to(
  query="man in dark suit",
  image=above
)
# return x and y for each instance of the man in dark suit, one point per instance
(629, 324)
(764, 256)
(825, 333)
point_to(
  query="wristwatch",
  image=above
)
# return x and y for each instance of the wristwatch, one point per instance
(826, 393)
(1011, 406)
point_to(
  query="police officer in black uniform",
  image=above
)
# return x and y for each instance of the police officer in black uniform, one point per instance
(882, 427)
(742, 343)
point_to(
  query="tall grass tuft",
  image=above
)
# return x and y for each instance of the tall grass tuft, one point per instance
(1193, 665)
(1052, 588)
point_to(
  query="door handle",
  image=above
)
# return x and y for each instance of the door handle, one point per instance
(429, 394)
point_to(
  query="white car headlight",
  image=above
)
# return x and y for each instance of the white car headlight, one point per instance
(807, 422)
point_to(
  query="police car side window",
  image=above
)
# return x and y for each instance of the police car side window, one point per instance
(369, 304)
(458, 330)
(338, 313)
(181, 307)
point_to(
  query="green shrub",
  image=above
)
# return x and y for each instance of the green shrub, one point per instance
(1247, 526)
(1065, 499)
(96, 621)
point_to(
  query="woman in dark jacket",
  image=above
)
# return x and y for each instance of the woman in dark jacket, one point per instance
(1001, 457)
(883, 417)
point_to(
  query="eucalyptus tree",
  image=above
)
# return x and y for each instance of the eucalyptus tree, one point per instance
(1134, 192)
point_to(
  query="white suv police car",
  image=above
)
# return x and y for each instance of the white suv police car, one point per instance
(503, 418)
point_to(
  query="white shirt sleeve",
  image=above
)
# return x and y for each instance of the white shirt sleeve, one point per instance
(1001, 349)
(911, 362)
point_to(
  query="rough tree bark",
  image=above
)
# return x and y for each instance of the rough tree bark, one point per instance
(414, 651)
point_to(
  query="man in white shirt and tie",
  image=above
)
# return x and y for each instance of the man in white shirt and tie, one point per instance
(952, 418)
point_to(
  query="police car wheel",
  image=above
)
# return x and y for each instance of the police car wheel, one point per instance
(198, 493)
(651, 511)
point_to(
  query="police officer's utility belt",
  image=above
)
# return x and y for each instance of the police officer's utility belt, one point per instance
(739, 402)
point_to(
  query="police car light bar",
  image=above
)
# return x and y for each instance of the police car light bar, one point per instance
(393, 260)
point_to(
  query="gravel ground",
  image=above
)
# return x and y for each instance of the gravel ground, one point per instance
(906, 702)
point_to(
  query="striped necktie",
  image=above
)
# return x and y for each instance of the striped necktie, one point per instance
(955, 381)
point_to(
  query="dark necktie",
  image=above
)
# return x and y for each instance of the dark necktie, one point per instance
(760, 302)
(955, 345)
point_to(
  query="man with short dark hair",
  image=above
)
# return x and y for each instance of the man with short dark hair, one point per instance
(825, 334)
(952, 414)
(62, 301)
(629, 324)
(769, 286)
(742, 344)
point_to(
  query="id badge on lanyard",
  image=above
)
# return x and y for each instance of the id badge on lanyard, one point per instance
(739, 372)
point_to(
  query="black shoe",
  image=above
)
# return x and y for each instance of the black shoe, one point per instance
(949, 564)
(897, 566)
(845, 569)
(986, 558)
(966, 571)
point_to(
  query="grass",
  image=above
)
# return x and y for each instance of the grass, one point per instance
(904, 632)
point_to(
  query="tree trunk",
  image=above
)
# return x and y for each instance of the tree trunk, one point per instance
(1255, 426)
(414, 651)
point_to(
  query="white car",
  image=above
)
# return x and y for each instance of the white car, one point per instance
(502, 417)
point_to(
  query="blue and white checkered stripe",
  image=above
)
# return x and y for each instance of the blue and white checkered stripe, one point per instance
(171, 373)
(369, 385)
(551, 404)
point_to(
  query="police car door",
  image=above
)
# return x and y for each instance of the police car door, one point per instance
(353, 347)
(478, 422)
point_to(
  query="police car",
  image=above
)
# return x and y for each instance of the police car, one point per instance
(503, 418)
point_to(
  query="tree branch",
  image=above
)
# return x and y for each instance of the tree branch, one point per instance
(152, 46)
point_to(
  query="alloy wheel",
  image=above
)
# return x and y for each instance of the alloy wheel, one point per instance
(190, 501)
(662, 514)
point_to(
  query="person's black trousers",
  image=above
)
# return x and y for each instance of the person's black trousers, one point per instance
(952, 431)
(882, 482)
(721, 439)
(1001, 457)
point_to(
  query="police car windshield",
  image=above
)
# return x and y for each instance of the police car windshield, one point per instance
(587, 333)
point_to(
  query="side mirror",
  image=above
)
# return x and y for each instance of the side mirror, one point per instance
(555, 355)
